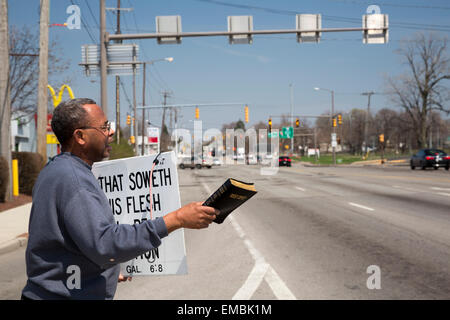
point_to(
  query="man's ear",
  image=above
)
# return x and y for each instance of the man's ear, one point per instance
(79, 137)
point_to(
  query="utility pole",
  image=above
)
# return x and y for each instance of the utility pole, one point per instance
(118, 81)
(103, 59)
(5, 101)
(366, 124)
(118, 9)
(135, 131)
(143, 112)
(43, 81)
(334, 128)
(166, 94)
(292, 119)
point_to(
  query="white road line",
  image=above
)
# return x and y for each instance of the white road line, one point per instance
(443, 189)
(444, 194)
(361, 206)
(301, 189)
(261, 270)
(279, 288)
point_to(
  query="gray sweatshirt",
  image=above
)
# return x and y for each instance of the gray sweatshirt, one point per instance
(72, 233)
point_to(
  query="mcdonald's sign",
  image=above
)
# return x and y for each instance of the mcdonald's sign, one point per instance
(57, 99)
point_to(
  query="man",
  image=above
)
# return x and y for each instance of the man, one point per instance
(71, 226)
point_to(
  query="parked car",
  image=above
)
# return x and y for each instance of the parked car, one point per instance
(194, 162)
(284, 161)
(433, 158)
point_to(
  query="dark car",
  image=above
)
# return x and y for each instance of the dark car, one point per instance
(433, 158)
(284, 161)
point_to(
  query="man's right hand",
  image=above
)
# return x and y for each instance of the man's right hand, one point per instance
(192, 216)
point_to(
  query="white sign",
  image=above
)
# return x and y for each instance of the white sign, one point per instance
(153, 134)
(126, 183)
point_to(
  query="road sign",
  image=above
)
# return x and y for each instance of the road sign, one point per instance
(333, 140)
(287, 132)
(273, 134)
(153, 135)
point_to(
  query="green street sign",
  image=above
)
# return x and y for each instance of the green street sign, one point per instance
(273, 134)
(287, 133)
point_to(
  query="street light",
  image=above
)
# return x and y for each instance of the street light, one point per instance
(168, 59)
(331, 116)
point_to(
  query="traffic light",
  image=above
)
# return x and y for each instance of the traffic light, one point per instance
(334, 122)
(297, 123)
(132, 140)
(128, 119)
(133, 121)
(246, 114)
(381, 137)
(339, 119)
(197, 113)
(270, 123)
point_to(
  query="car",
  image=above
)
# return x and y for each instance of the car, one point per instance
(284, 161)
(433, 158)
(194, 162)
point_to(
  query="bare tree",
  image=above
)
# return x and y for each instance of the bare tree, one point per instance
(24, 69)
(421, 89)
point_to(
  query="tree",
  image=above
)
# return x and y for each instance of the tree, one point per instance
(421, 89)
(24, 68)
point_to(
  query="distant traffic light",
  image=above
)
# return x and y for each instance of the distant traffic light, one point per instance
(132, 139)
(197, 113)
(128, 119)
(246, 114)
(297, 123)
(334, 122)
(339, 119)
(381, 137)
(270, 123)
(133, 121)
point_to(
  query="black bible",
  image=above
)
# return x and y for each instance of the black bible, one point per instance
(229, 196)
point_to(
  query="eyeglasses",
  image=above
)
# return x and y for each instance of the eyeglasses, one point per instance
(104, 128)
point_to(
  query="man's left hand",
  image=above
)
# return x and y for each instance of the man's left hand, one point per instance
(122, 278)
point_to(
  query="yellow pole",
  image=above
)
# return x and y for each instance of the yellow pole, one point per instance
(15, 169)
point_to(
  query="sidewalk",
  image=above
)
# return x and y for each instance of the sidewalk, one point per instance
(14, 228)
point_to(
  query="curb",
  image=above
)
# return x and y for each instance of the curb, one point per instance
(13, 244)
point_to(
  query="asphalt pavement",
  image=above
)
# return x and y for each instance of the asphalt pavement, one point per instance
(344, 232)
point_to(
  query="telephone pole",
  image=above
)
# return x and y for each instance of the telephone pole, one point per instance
(41, 133)
(118, 81)
(103, 59)
(5, 101)
(118, 10)
(292, 119)
(366, 124)
(166, 94)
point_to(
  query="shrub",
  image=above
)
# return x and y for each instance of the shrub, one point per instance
(121, 150)
(30, 164)
(4, 169)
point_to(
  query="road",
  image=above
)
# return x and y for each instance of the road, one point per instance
(309, 233)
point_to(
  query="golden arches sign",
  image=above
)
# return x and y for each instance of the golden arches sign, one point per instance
(57, 99)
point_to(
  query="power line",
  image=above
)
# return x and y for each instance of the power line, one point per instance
(92, 14)
(86, 26)
(393, 5)
(404, 25)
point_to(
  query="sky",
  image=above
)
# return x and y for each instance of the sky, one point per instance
(210, 70)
